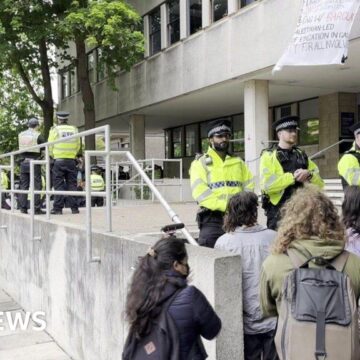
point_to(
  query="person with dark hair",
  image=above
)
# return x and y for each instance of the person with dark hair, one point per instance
(244, 236)
(351, 218)
(161, 273)
(215, 177)
(283, 169)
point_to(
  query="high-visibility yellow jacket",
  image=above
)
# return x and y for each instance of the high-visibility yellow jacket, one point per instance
(4, 181)
(97, 182)
(67, 149)
(349, 168)
(214, 181)
(29, 138)
(273, 179)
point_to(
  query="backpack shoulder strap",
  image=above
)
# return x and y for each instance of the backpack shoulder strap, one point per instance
(340, 261)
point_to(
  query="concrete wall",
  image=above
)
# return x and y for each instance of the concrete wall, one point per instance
(84, 303)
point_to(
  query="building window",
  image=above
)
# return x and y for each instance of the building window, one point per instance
(195, 15)
(91, 66)
(167, 143)
(246, 2)
(219, 9)
(100, 66)
(177, 142)
(155, 31)
(203, 137)
(190, 140)
(64, 85)
(173, 21)
(238, 133)
(309, 122)
(73, 83)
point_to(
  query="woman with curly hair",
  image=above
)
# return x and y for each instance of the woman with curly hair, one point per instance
(160, 278)
(245, 237)
(351, 218)
(311, 226)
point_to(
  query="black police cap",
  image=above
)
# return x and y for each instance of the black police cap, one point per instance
(219, 127)
(62, 115)
(286, 122)
(33, 122)
(355, 128)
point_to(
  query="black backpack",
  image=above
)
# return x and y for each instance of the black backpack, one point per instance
(162, 343)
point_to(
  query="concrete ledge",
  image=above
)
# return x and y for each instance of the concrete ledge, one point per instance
(84, 303)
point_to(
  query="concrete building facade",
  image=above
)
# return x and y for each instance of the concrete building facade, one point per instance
(214, 58)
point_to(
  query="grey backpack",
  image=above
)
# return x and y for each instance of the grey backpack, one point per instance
(318, 316)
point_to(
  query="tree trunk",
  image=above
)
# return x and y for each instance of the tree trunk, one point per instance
(86, 92)
(48, 103)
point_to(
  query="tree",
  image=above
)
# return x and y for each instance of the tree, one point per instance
(16, 106)
(28, 29)
(114, 27)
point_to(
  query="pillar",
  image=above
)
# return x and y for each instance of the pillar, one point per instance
(256, 121)
(184, 19)
(233, 6)
(164, 22)
(137, 136)
(206, 13)
(146, 35)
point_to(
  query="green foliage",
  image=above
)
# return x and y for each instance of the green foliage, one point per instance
(113, 26)
(16, 106)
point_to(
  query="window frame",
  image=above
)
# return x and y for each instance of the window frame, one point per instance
(169, 25)
(154, 34)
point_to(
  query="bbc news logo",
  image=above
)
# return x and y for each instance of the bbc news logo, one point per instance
(22, 321)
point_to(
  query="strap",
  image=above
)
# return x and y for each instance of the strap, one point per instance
(320, 352)
(340, 261)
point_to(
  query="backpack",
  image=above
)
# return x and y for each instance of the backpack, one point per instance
(318, 316)
(161, 343)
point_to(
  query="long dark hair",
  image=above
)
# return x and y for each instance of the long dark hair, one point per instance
(149, 281)
(241, 210)
(351, 208)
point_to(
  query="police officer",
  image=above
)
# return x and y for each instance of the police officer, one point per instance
(215, 177)
(349, 164)
(97, 184)
(28, 138)
(64, 170)
(4, 180)
(283, 169)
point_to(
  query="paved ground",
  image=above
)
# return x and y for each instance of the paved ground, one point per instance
(24, 344)
(130, 218)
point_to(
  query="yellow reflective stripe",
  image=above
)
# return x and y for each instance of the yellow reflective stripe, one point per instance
(196, 183)
(204, 195)
(270, 181)
(355, 180)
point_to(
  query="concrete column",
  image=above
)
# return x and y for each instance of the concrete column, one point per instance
(256, 121)
(206, 13)
(146, 35)
(233, 6)
(137, 136)
(164, 22)
(184, 19)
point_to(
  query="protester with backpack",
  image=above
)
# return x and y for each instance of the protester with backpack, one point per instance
(311, 283)
(245, 237)
(165, 315)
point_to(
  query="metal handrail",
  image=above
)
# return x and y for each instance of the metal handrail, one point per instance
(107, 153)
(316, 155)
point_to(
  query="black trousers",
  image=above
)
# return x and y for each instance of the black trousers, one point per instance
(64, 174)
(210, 224)
(25, 183)
(97, 201)
(260, 346)
(273, 216)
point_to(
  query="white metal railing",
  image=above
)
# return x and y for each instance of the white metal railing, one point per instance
(107, 154)
(148, 165)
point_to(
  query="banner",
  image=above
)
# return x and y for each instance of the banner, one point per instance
(322, 33)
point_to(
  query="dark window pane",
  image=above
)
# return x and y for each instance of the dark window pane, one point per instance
(174, 21)
(72, 81)
(155, 31)
(190, 140)
(246, 2)
(309, 122)
(238, 133)
(219, 9)
(195, 10)
(177, 143)
(64, 85)
(203, 137)
(91, 65)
